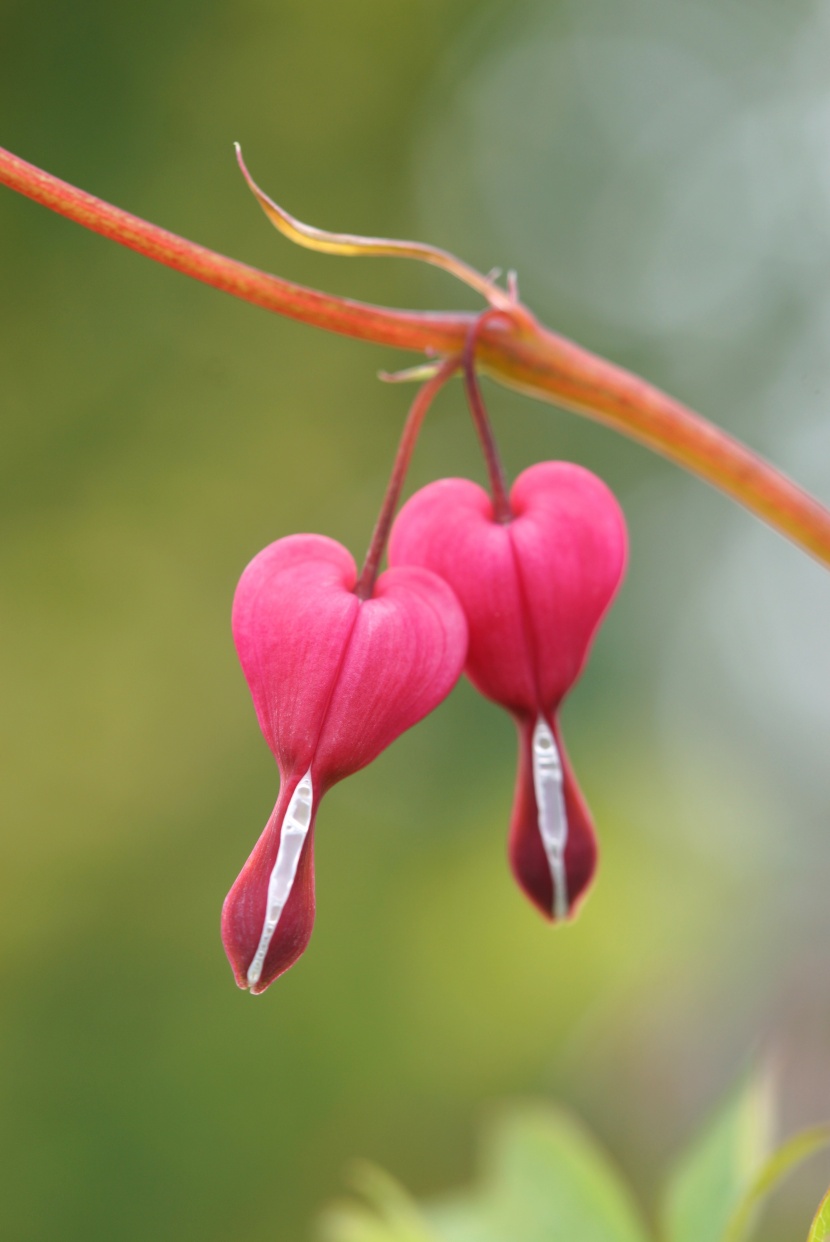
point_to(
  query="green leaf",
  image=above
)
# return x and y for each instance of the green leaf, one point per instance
(349, 1223)
(544, 1180)
(718, 1172)
(788, 1155)
(820, 1228)
(391, 1217)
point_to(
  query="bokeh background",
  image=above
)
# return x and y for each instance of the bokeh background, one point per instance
(659, 173)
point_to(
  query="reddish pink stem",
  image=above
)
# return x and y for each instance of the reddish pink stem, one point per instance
(495, 469)
(519, 352)
(409, 437)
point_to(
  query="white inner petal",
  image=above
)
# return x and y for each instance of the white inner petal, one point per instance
(294, 831)
(548, 784)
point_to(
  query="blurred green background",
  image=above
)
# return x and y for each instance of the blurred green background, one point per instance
(659, 173)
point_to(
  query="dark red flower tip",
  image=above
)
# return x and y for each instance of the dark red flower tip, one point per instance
(265, 897)
(552, 845)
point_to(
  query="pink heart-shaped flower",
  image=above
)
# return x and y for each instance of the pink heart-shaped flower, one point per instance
(335, 679)
(534, 590)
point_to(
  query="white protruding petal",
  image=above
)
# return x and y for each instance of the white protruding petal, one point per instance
(548, 785)
(292, 837)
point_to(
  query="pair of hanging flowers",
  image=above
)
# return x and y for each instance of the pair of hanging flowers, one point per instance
(509, 588)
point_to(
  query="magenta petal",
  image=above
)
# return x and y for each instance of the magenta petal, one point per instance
(404, 655)
(528, 859)
(243, 913)
(448, 527)
(293, 612)
(335, 680)
(534, 590)
(570, 541)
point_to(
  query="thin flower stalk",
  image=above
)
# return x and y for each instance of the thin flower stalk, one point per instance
(406, 447)
(495, 469)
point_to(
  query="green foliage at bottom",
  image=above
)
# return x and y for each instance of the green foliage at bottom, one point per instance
(544, 1179)
(820, 1228)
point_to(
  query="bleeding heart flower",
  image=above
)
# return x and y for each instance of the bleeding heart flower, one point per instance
(335, 679)
(534, 590)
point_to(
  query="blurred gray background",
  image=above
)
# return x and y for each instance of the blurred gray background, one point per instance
(659, 174)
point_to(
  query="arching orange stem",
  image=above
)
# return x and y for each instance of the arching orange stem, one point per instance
(516, 350)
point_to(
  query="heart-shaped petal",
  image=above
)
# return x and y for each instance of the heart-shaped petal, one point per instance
(404, 655)
(534, 590)
(335, 679)
(293, 613)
